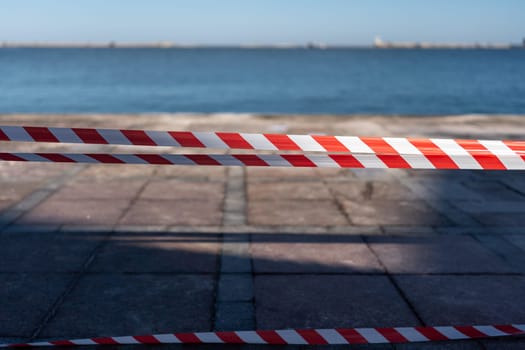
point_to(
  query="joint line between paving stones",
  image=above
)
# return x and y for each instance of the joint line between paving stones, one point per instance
(387, 273)
(197, 273)
(85, 266)
(394, 283)
(235, 214)
(218, 261)
(336, 200)
(36, 197)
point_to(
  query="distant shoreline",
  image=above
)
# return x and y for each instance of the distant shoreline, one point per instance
(310, 46)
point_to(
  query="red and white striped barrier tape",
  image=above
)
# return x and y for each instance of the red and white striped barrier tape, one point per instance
(303, 336)
(269, 142)
(349, 151)
(381, 161)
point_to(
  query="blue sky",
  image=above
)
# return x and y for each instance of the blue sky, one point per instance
(262, 21)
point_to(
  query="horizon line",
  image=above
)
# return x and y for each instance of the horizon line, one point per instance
(307, 45)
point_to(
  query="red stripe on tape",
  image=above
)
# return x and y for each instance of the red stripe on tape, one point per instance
(431, 333)
(352, 336)
(470, 331)
(89, 136)
(202, 159)
(234, 140)
(20, 345)
(392, 335)
(298, 160)
(40, 134)
(3, 136)
(489, 161)
(346, 160)
(138, 137)
(229, 337)
(391, 158)
(394, 161)
(518, 146)
(378, 145)
(105, 158)
(282, 142)
(62, 343)
(312, 337)
(271, 337)
(105, 341)
(188, 338)
(11, 157)
(250, 160)
(330, 143)
(509, 329)
(55, 157)
(153, 159)
(486, 160)
(435, 155)
(146, 339)
(186, 139)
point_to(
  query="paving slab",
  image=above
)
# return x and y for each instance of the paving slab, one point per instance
(437, 254)
(447, 187)
(235, 288)
(502, 219)
(317, 301)
(470, 300)
(76, 212)
(287, 191)
(154, 252)
(105, 172)
(178, 190)
(25, 299)
(281, 174)
(295, 253)
(38, 228)
(114, 304)
(28, 172)
(174, 212)
(234, 316)
(442, 345)
(108, 190)
(392, 212)
(46, 252)
(211, 174)
(495, 191)
(517, 240)
(409, 230)
(12, 192)
(491, 207)
(297, 212)
(365, 190)
(514, 343)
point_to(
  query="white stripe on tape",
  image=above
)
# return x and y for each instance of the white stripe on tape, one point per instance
(411, 334)
(332, 336)
(354, 144)
(162, 138)
(17, 133)
(307, 143)
(258, 141)
(291, 336)
(65, 135)
(114, 137)
(371, 335)
(250, 337)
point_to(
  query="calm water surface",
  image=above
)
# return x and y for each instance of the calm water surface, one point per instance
(335, 81)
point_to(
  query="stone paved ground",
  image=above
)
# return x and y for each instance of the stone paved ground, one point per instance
(117, 250)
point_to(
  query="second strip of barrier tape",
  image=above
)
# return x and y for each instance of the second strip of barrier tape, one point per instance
(268, 142)
(334, 336)
(381, 161)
